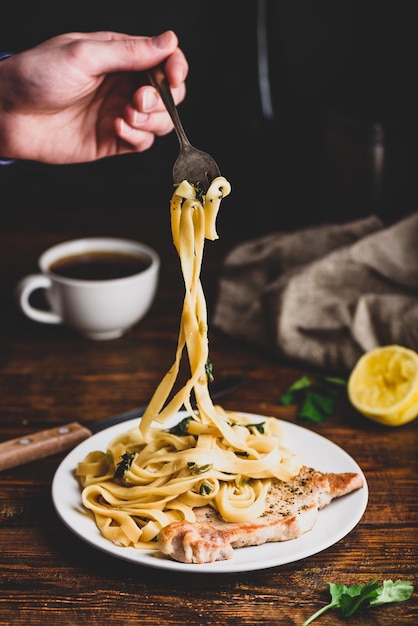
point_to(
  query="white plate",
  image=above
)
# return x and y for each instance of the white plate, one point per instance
(333, 523)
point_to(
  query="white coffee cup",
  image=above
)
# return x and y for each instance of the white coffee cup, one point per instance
(98, 308)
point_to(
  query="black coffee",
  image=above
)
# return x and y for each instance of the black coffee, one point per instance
(100, 265)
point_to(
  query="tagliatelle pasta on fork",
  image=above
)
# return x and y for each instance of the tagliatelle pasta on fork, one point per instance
(151, 476)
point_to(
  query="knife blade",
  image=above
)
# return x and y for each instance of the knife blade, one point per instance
(43, 443)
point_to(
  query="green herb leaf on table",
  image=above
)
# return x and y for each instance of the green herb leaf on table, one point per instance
(315, 396)
(390, 591)
(352, 599)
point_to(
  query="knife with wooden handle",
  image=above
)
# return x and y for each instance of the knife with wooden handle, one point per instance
(51, 441)
(41, 444)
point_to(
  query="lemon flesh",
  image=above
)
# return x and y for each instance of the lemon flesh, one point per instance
(383, 385)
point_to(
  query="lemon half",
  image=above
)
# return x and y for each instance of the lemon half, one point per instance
(383, 385)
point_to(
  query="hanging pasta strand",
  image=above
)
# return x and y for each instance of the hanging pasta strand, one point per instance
(150, 477)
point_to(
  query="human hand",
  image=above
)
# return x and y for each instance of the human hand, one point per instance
(79, 97)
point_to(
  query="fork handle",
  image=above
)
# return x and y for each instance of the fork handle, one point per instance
(159, 81)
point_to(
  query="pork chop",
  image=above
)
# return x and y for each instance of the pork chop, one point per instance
(291, 510)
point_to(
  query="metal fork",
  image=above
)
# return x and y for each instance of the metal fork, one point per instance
(193, 165)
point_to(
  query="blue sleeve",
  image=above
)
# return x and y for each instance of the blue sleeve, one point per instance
(4, 55)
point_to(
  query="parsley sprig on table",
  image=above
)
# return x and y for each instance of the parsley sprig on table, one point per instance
(357, 597)
(315, 396)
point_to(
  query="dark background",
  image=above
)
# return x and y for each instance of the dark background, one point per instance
(342, 77)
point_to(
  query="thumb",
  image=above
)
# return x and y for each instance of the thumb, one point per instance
(124, 53)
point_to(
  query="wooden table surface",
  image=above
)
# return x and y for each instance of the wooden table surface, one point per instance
(50, 376)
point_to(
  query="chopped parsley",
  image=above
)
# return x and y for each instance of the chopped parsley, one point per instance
(209, 371)
(124, 464)
(180, 429)
(205, 489)
(199, 469)
(257, 425)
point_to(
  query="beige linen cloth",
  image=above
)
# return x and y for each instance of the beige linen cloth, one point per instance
(326, 294)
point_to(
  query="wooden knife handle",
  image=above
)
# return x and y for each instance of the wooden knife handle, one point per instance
(41, 444)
